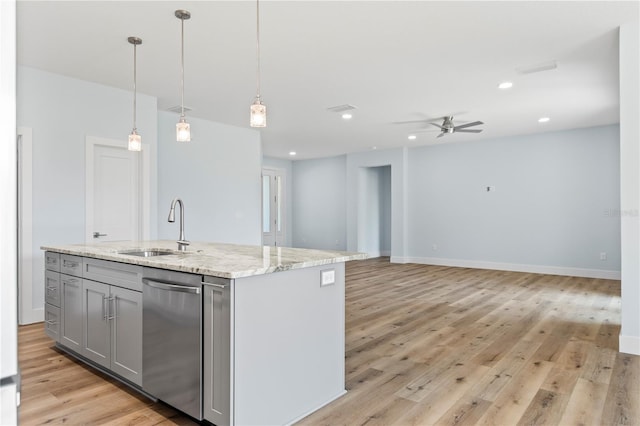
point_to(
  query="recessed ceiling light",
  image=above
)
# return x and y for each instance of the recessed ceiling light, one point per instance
(543, 119)
(292, 153)
(347, 116)
(412, 137)
(505, 85)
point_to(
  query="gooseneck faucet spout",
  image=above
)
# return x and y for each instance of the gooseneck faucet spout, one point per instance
(182, 242)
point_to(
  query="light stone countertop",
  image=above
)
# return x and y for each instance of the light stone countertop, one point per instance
(214, 259)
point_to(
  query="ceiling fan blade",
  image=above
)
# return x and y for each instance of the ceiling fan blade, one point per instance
(475, 123)
(467, 130)
(437, 125)
(440, 135)
(409, 122)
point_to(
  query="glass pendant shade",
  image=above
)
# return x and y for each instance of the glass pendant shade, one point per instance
(135, 141)
(183, 131)
(258, 114)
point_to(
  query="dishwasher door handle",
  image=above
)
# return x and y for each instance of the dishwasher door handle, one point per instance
(167, 285)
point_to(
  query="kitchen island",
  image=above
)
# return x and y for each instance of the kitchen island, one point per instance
(270, 323)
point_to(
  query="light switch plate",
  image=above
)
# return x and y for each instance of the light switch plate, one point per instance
(327, 277)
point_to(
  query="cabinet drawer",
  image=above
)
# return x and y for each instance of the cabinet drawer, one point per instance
(52, 321)
(115, 273)
(52, 261)
(71, 265)
(52, 288)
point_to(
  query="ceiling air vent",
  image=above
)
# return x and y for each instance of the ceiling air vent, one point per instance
(178, 109)
(342, 108)
(545, 66)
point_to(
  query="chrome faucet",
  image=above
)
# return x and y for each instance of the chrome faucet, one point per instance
(182, 242)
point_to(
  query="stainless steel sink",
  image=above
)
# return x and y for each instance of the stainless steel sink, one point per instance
(148, 252)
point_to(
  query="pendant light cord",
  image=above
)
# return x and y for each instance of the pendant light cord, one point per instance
(258, 49)
(182, 61)
(135, 61)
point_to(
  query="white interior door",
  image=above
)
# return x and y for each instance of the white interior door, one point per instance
(273, 207)
(115, 191)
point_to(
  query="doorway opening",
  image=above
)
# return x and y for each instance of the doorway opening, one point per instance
(374, 211)
(273, 207)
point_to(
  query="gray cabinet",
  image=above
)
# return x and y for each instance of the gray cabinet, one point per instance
(94, 308)
(113, 328)
(52, 295)
(95, 316)
(52, 321)
(126, 334)
(217, 351)
(71, 312)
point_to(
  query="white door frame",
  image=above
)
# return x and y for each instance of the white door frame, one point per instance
(145, 184)
(26, 312)
(282, 173)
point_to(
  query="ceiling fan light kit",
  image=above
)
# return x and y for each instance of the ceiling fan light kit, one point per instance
(448, 127)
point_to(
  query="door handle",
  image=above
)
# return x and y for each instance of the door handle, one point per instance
(98, 235)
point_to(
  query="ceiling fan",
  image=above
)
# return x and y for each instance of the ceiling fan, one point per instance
(447, 126)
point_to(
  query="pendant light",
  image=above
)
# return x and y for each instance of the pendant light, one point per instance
(135, 141)
(258, 109)
(183, 130)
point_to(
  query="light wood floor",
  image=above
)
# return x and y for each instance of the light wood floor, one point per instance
(424, 345)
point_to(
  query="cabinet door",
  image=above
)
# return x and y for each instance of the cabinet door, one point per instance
(95, 314)
(71, 313)
(217, 353)
(126, 334)
(52, 321)
(52, 288)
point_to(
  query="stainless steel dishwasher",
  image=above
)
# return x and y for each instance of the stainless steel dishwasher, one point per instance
(172, 338)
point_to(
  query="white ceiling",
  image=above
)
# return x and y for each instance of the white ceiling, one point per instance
(395, 61)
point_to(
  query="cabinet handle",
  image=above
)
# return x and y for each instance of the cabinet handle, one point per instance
(222, 286)
(52, 288)
(104, 309)
(70, 264)
(51, 322)
(112, 315)
(72, 282)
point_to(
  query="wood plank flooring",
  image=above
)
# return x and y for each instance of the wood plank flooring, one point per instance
(424, 345)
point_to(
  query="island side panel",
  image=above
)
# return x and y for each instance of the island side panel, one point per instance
(289, 344)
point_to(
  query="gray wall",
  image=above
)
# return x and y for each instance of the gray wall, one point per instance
(319, 215)
(553, 204)
(553, 209)
(61, 112)
(217, 176)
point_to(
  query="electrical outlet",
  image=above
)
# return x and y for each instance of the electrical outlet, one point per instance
(327, 277)
(603, 256)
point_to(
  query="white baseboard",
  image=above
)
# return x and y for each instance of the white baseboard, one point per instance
(32, 316)
(385, 253)
(629, 344)
(297, 419)
(536, 269)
